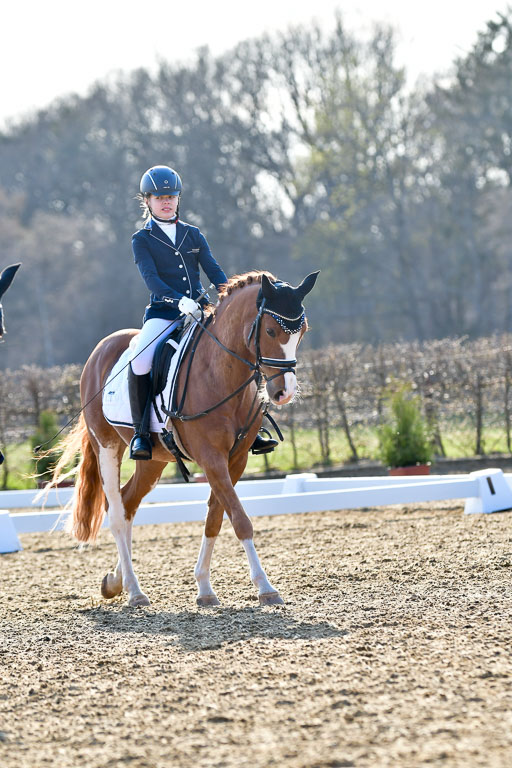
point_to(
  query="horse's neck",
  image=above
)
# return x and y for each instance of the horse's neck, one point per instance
(232, 323)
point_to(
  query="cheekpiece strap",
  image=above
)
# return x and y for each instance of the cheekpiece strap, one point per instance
(255, 326)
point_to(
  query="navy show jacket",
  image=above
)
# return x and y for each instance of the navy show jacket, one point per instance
(171, 270)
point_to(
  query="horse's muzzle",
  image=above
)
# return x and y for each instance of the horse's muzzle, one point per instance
(281, 389)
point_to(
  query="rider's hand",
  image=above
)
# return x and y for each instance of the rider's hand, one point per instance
(189, 307)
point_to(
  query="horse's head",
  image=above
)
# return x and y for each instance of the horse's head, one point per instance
(278, 328)
(6, 279)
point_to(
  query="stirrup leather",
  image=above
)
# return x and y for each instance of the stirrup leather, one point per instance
(167, 439)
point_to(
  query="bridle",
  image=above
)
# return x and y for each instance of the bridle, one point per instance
(282, 364)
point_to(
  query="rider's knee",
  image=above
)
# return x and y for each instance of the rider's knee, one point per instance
(141, 364)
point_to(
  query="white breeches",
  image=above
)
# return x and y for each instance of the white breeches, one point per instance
(151, 334)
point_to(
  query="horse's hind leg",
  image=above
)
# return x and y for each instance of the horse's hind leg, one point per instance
(109, 460)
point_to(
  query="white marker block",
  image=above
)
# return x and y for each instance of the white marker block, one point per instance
(9, 541)
(295, 483)
(494, 493)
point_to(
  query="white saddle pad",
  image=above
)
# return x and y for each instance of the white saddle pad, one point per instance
(116, 401)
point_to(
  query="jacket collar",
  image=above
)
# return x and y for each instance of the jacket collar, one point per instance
(181, 231)
(180, 225)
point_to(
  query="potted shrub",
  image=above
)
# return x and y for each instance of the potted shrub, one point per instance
(405, 446)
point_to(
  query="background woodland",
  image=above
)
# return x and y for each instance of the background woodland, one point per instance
(300, 151)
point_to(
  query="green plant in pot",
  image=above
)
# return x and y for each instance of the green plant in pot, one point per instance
(404, 443)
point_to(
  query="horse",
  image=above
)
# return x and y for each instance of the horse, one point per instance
(255, 328)
(6, 279)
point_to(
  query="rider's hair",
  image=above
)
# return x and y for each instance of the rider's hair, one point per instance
(143, 202)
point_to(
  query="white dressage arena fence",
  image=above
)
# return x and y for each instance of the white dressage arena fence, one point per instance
(485, 491)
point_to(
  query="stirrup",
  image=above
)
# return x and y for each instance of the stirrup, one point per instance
(141, 448)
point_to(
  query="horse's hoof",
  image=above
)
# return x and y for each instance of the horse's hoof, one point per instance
(137, 601)
(207, 600)
(110, 590)
(271, 598)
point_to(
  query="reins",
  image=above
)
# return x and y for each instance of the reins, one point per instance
(284, 365)
(177, 413)
(37, 448)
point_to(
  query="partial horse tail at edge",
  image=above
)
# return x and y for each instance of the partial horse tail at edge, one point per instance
(88, 508)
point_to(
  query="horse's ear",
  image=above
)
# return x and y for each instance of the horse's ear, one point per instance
(7, 277)
(307, 284)
(267, 287)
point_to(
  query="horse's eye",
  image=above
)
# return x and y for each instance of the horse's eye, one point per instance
(271, 332)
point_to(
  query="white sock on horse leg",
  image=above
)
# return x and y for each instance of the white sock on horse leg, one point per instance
(202, 568)
(258, 575)
(121, 527)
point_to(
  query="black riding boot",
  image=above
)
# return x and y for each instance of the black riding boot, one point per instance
(262, 445)
(138, 389)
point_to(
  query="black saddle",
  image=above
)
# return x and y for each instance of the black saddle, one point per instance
(162, 360)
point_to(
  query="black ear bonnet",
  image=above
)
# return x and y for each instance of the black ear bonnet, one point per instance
(284, 302)
(284, 306)
(7, 276)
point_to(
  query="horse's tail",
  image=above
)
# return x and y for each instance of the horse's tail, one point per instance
(89, 500)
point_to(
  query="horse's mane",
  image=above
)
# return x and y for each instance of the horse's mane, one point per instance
(240, 281)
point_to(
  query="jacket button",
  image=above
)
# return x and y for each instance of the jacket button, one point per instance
(176, 253)
(180, 266)
(184, 278)
(187, 291)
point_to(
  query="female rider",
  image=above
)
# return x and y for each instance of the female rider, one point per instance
(168, 253)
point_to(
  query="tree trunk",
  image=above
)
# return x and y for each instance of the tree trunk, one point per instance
(479, 448)
(346, 426)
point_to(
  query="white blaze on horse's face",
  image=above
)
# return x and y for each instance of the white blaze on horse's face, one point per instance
(283, 396)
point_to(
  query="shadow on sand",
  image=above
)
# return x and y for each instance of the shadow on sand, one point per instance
(208, 630)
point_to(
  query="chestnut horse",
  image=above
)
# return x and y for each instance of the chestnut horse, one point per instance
(255, 327)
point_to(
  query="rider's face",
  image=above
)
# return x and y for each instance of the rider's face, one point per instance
(164, 206)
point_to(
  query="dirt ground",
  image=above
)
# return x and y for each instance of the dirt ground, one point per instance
(393, 648)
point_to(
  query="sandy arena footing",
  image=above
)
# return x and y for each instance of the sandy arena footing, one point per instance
(393, 648)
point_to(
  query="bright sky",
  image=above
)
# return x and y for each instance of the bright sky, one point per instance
(51, 48)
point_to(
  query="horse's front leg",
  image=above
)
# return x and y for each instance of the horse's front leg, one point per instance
(222, 486)
(205, 594)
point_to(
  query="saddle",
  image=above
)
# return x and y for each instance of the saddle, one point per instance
(116, 401)
(162, 359)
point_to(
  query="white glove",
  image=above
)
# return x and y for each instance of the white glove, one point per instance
(189, 307)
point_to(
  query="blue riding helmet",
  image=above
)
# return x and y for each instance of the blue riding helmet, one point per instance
(160, 180)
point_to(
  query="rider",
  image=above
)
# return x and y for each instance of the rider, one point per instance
(168, 253)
